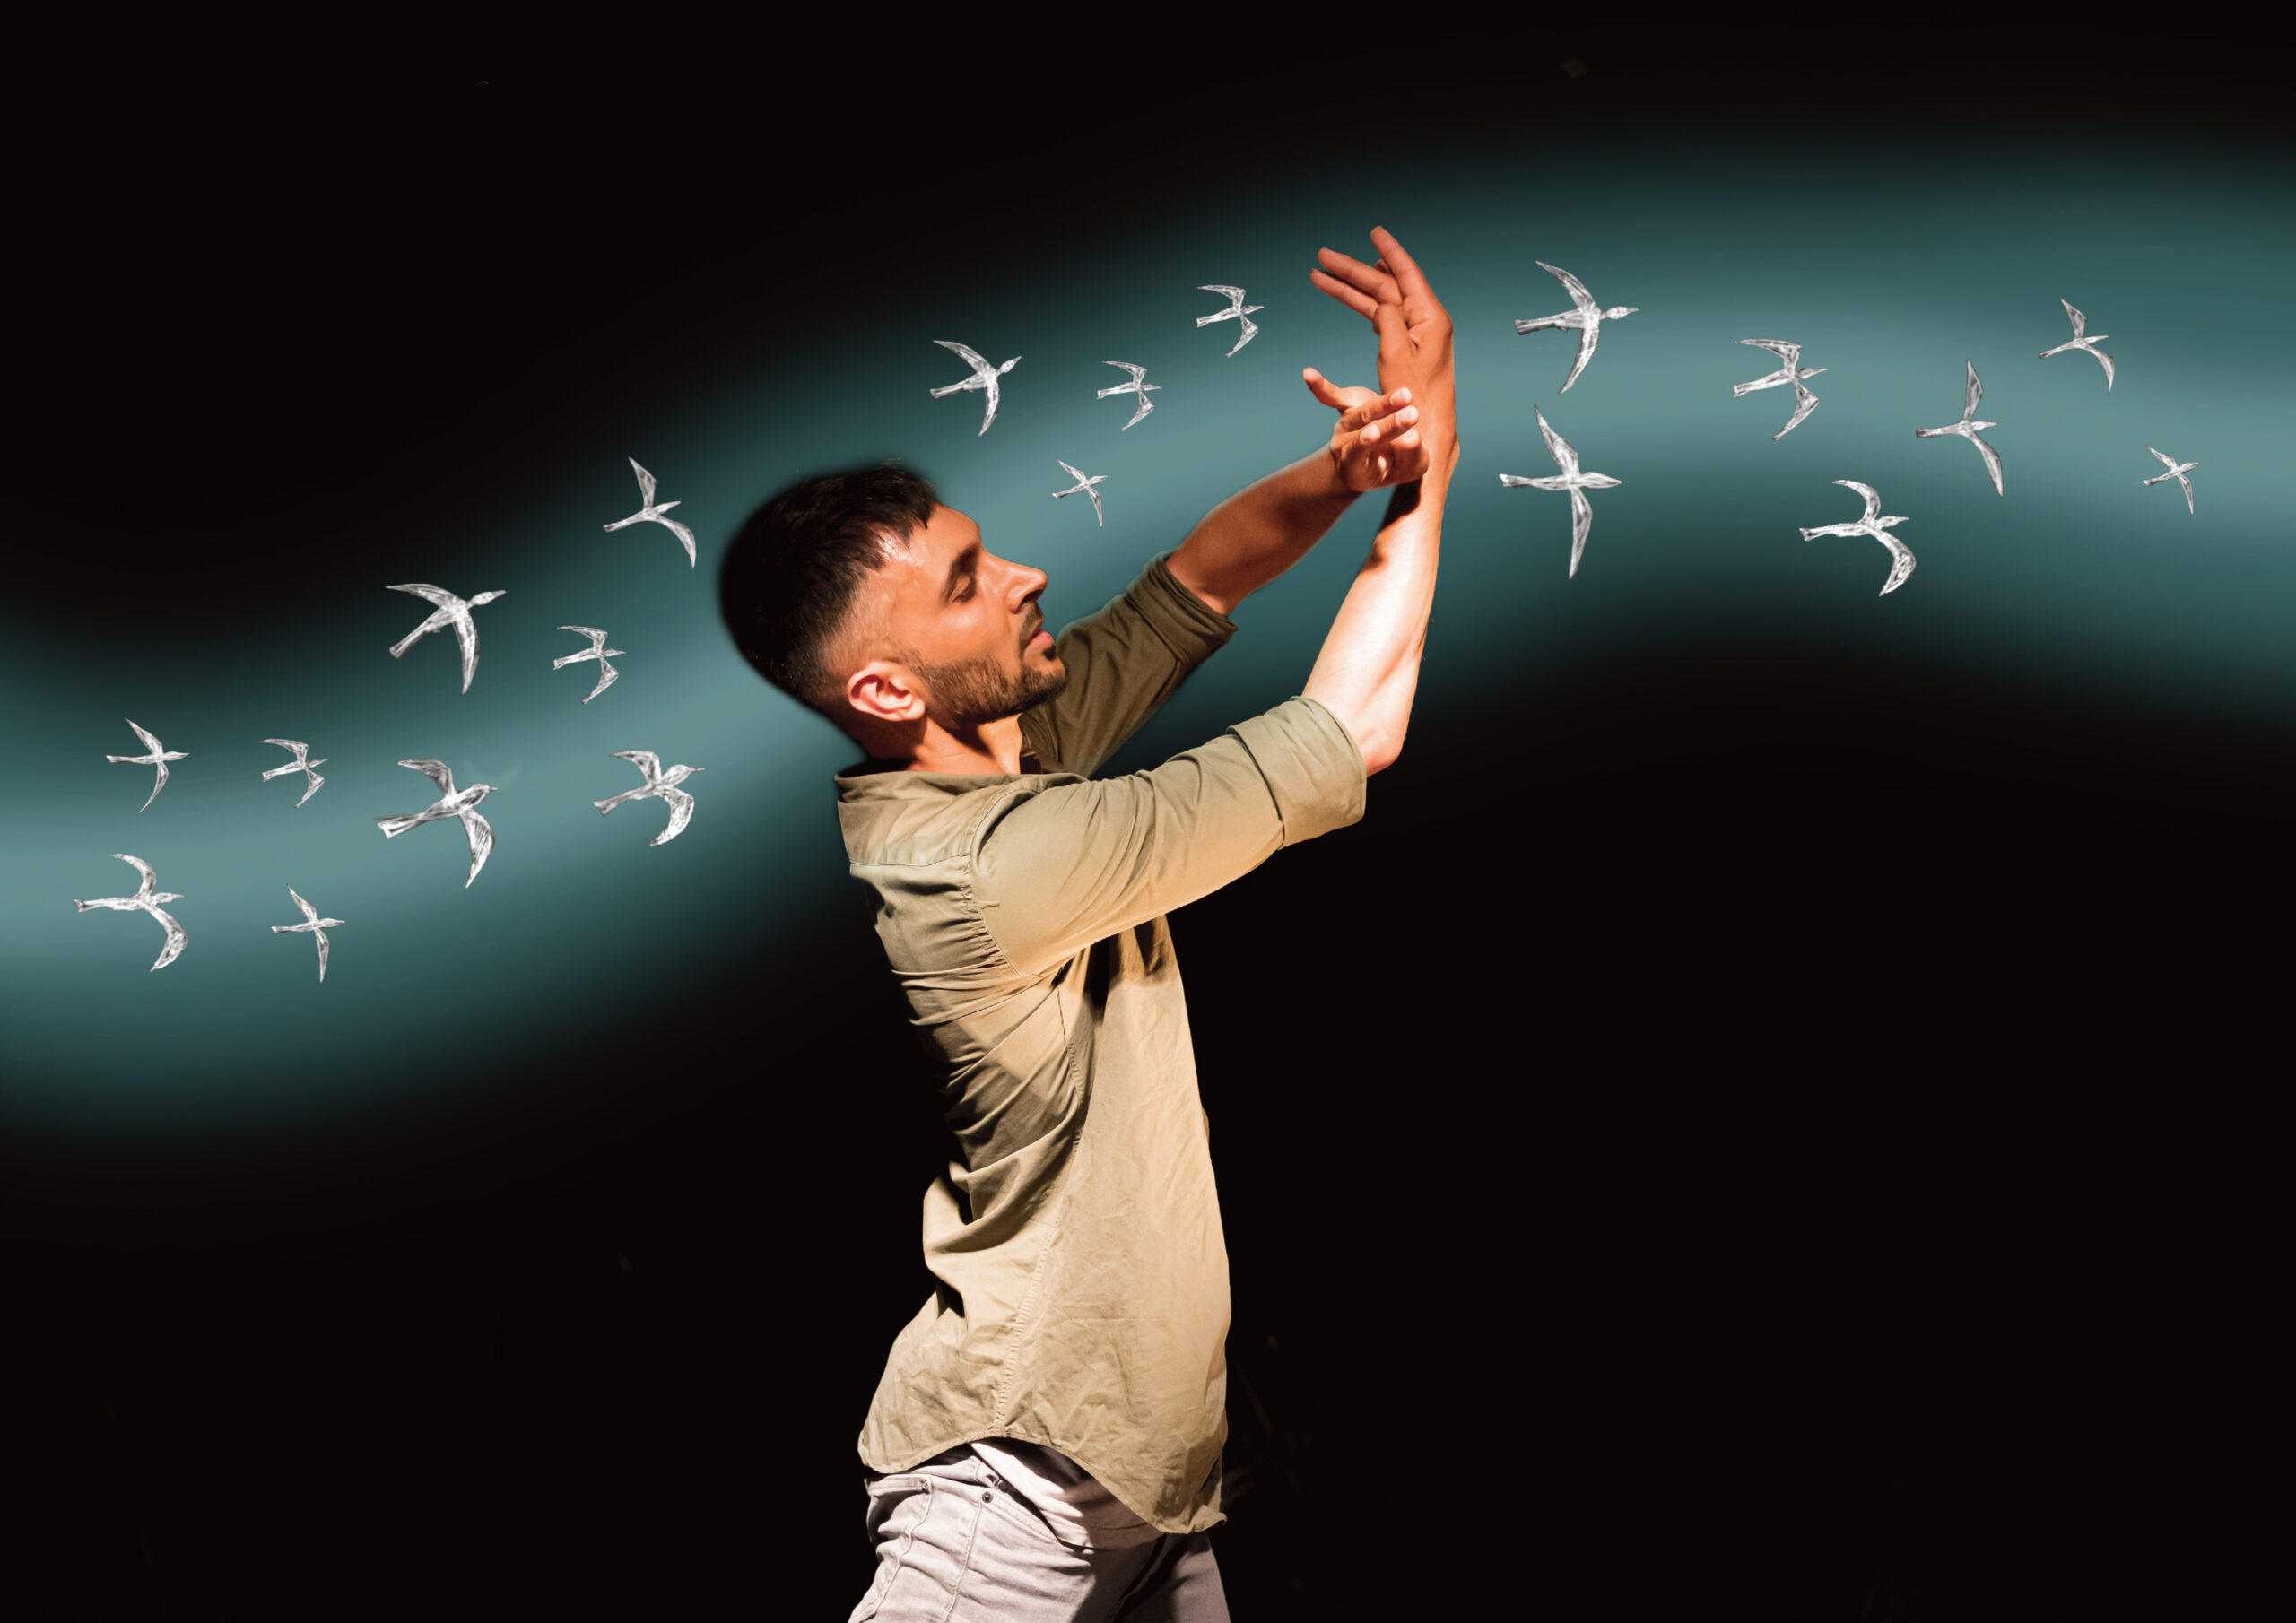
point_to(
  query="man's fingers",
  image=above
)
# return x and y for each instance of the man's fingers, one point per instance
(1400, 265)
(1370, 278)
(1323, 389)
(1361, 303)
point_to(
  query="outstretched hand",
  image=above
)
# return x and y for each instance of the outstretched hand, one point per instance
(1415, 342)
(1376, 442)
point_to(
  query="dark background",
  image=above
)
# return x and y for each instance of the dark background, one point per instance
(1901, 1259)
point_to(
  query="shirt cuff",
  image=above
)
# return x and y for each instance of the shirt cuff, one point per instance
(1185, 621)
(1311, 764)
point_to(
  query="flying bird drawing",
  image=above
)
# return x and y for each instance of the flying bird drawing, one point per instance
(1586, 317)
(1236, 311)
(156, 754)
(1792, 371)
(1138, 385)
(597, 650)
(147, 900)
(2177, 471)
(1968, 427)
(650, 511)
(452, 611)
(2081, 341)
(313, 782)
(1582, 511)
(659, 783)
(984, 376)
(315, 925)
(451, 802)
(1874, 525)
(1084, 486)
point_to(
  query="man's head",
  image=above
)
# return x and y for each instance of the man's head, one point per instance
(864, 597)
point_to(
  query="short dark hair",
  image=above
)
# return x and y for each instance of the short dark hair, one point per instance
(787, 583)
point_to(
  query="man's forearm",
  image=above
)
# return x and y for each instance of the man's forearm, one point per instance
(1260, 532)
(1368, 672)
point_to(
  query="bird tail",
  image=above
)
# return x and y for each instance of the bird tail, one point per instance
(609, 803)
(1927, 433)
(393, 826)
(1811, 534)
(85, 906)
(404, 642)
(951, 389)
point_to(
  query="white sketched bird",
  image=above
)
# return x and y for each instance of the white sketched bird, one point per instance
(1876, 525)
(314, 923)
(146, 901)
(1587, 317)
(2177, 471)
(1085, 485)
(650, 511)
(659, 783)
(301, 763)
(1792, 372)
(1138, 385)
(597, 650)
(984, 376)
(156, 754)
(1969, 426)
(1582, 511)
(2081, 341)
(452, 611)
(452, 803)
(1236, 311)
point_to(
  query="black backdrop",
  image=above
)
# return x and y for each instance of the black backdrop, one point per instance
(1751, 1230)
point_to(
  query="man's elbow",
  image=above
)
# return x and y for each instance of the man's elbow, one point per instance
(1379, 752)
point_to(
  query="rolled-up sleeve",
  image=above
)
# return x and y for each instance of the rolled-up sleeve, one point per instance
(1061, 868)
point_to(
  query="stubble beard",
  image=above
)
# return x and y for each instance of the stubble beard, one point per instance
(975, 691)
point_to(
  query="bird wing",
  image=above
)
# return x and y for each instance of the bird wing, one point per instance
(1251, 331)
(2169, 463)
(1227, 292)
(142, 867)
(970, 356)
(299, 747)
(158, 782)
(1589, 336)
(311, 914)
(1579, 295)
(645, 760)
(467, 634)
(437, 595)
(607, 677)
(2079, 322)
(2187, 485)
(1557, 447)
(2105, 361)
(1901, 566)
(645, 485)
(1873, 496)
(481, 842)
(322, 937)
(1992, 462)
(1582, 519)
(435, 770)
(1790, 353)
(1975, 394)
(1146, 406)
(318, 783)
(685, 535)
(150, 742)
(1137, 372)
(597, 637)
(1099, 517)
(1076, 474)
(177, 937)
(681, 814)
(1804, 402)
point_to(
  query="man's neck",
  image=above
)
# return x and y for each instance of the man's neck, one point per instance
(990, 747)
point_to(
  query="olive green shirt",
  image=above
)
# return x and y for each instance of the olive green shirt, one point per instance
(1081, 1295)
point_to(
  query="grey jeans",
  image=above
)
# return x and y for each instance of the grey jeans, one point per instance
(954, 1545)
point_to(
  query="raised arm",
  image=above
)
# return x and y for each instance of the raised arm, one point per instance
(1269, 525)
(1368, 669)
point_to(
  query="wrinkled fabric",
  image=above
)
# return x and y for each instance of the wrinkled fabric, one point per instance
(1081, 1294)
(956, 1545)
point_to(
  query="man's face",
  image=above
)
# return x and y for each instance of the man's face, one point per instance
(965, 622)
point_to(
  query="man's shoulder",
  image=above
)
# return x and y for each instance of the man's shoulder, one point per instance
(893, 818)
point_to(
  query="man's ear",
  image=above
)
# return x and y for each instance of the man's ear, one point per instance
(884, 690)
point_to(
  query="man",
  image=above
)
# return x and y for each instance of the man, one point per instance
(1045, 1440)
